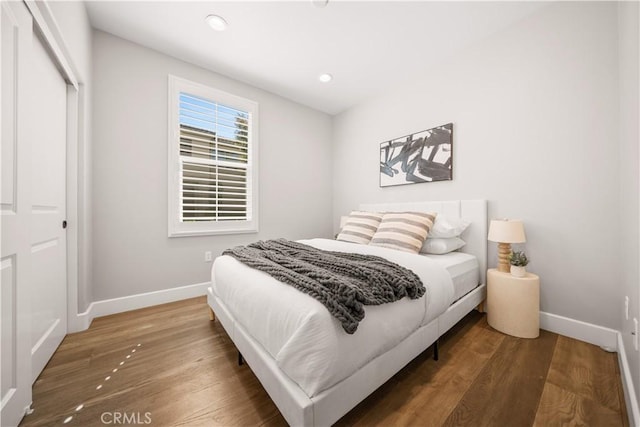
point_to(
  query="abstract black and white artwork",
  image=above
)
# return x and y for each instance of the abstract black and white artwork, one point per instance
(420, 157)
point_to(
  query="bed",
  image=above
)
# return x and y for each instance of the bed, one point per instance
(313, 371)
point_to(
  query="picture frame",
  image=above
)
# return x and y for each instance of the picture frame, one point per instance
(424, 156)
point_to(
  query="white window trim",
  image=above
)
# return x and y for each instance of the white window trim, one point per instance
(176, 228)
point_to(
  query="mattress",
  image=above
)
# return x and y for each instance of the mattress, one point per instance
(305, 341)
(464, 270)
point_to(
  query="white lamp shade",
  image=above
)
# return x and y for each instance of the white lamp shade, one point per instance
(506, 231)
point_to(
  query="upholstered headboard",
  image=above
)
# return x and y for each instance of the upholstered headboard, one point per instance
(471, 210)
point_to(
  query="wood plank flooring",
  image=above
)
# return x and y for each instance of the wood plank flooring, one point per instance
(170, 366)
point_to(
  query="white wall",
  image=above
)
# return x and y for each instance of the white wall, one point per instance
(629, 176)
(132, 253)
(535, 119)
(72, 21)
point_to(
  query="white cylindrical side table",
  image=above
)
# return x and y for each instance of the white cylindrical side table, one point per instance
(513, 303)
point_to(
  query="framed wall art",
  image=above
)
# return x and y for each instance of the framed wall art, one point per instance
(424, 156)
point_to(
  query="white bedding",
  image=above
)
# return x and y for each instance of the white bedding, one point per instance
(463, 269)
(306, 342)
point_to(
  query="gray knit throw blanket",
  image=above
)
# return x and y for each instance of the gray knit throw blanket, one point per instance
(343, 282)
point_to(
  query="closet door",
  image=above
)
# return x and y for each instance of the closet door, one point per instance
(33, 299)
(47, 114)
(15, 215)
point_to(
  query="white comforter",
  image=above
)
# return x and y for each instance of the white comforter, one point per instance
(307, 343)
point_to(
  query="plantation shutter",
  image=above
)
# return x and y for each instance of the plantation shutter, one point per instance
(214, 161)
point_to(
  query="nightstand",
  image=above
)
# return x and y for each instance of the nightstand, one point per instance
(513, 303)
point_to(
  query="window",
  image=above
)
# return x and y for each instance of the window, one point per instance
(213, 145)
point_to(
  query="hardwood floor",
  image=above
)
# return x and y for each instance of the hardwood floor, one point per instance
(170, 366)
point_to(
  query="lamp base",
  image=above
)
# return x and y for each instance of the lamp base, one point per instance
(504, 250)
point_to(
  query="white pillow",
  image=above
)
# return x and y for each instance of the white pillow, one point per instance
(447, 227)
(440, 246)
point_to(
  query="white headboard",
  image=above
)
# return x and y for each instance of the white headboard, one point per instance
(471, 210)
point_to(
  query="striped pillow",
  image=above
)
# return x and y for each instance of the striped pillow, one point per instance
(360, 227)
(404, 231)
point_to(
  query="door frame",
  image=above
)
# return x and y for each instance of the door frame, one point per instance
(45, 23)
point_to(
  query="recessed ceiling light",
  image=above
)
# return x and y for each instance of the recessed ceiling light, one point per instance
(216, 22)
(325, 78)
(320, 3)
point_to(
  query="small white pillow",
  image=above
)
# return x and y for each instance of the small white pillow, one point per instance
(446, 227)
(439, 246)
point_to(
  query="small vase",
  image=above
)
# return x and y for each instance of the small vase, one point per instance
(518, 271)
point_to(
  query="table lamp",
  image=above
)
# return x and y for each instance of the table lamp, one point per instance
(505, 232)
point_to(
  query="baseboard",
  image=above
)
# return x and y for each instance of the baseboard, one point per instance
(633, 411)
(134, 302)
(583, 331)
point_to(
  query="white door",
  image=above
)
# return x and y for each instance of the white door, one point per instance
(33, 246)
(47, 113)
(15, 252)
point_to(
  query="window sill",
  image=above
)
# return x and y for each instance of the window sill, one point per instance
(192, 233)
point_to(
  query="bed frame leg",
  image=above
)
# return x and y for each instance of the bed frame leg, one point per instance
(480, 307)
(212, 315)
(435, 351)
(240, 359)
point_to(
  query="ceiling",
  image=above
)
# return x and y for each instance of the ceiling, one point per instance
(282, 47)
